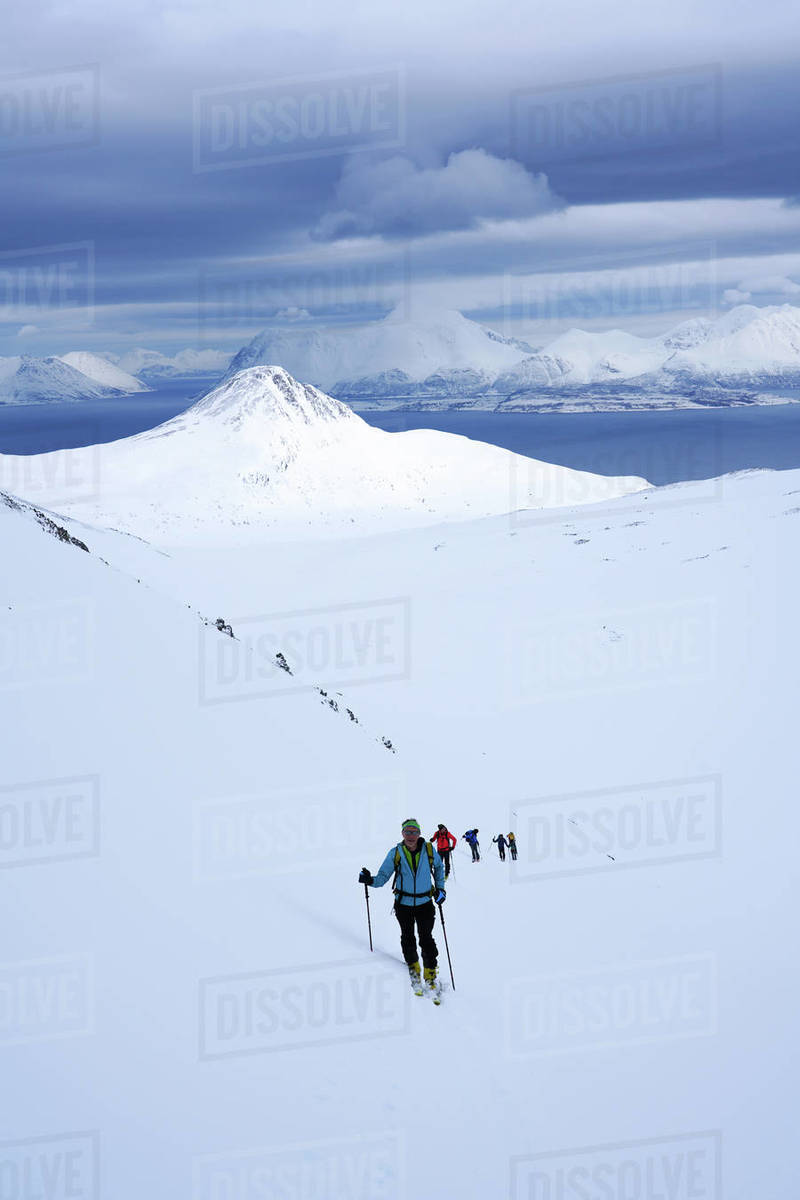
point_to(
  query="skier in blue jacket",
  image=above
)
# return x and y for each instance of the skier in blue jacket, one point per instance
(471, 838)
(412, 862)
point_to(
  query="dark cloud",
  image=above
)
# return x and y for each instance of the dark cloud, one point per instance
(158, 225)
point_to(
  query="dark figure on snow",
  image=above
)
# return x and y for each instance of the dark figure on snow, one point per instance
(512, 845)
(501, 846)
(444, 841)
(471, 838)
(418, 881)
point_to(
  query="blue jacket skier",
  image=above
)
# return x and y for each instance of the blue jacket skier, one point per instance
(418, 881)
(471, 838)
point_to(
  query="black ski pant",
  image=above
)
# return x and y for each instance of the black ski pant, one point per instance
(423, 915)
(444, 855)
(513, 852)
(502, 854)
(475, 851)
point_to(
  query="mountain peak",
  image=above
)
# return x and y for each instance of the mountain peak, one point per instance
(430, 340)
(268, 393)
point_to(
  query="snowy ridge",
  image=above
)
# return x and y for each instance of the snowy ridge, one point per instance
(263, 452)
(439, 341)
(448, 357)
(28, 380)
(746, 345)
(102, 370)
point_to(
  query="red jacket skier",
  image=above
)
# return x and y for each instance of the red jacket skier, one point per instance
(444, 841)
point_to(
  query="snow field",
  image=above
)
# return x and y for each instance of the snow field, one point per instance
(196, 986)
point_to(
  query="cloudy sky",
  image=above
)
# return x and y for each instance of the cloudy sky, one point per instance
(185, 174)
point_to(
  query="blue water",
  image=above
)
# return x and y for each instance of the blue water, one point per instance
(34, 428)
(663, 447)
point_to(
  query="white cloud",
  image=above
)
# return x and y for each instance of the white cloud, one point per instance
(396, 197)
(292, 313)
(735, 296)
(28, 330)
(770, 285)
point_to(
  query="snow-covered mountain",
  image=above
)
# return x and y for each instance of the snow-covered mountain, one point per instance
(445, 357)
(152, 366)
(386, 353)
(745, 346)
(102, 370)
(26, 380)
(262, 450)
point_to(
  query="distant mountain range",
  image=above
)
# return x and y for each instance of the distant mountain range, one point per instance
(448, 359)
(154, 367)
(443, 359)
(82, 375)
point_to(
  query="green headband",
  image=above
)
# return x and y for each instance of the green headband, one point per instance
(411, 824)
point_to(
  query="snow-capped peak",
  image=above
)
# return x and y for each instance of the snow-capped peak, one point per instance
(102, 370)
(431, 341)
(262, 450)
(268, 393)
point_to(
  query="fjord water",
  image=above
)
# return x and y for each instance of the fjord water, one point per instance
(663, 447)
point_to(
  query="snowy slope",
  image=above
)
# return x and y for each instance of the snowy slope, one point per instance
(103, 371)
(436, 342)
(26, 380)
(189, 976)
(264, 452)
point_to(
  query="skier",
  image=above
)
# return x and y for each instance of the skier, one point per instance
(444, 841)
(471, 838)
(412, 862)
(501, 846)
(512, 845)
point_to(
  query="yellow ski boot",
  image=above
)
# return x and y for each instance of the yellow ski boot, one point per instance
(415, 976)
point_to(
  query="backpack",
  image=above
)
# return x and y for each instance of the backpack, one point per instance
(396, 881)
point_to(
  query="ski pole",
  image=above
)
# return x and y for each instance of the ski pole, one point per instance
(446, 946)
(369, 922)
